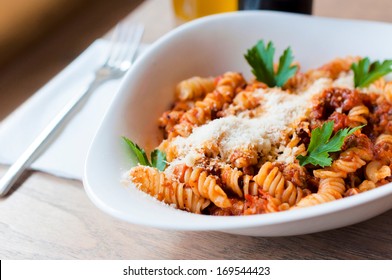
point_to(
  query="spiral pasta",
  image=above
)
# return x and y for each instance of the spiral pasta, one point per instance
(236, 148)
(238, 182)
(244, 100)
(194, 88)
(249, 186)
(155, 183)
(330, 189)
(232, 179)
(329, 173)
(376, 171)
(224, 92)
(366, 186)
(358, 114)
(348, 162)
(272, 182)
(384, 139)
(201, 113)
(205, 185)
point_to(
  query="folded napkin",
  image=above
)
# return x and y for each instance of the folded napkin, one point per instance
(66, 155)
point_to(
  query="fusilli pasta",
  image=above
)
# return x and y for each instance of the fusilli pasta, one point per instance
(232, 146)
(155, 183)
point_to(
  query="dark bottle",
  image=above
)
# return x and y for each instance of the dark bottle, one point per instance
(294, 6)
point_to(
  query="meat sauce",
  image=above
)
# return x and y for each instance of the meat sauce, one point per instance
(335, 103)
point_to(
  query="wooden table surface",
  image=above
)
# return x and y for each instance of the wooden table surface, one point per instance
(47, 217)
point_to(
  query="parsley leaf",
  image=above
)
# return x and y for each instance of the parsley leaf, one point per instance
(321, 144)
(261, 59)
(139, 153)
(366, 73)
(158, 158)
(285, 69)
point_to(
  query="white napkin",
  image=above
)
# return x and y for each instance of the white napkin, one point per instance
(66, 155)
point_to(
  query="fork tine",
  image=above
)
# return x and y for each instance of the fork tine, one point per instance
(134, 42)
(122, 35)
(112, 46)
(126, 39)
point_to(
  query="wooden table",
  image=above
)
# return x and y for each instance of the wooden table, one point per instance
(51, 218)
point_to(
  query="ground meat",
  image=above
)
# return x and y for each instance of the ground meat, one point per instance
(295, 174)
(342, 98)
(254, 205)
(381, 119)
(304, 135)
(334, 104)
(340, 121)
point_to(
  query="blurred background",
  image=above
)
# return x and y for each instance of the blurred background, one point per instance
(25, 22)
(38, 38)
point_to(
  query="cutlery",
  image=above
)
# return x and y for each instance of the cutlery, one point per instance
(125, 40)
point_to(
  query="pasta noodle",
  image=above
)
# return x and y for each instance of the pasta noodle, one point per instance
(375, 171)
(330, 189)
(205, 185)
(155, 183)
(348, 162)
(249, 186)
(194, 88)
(358, 114)
(271, 180)
(232, 146)
(222, 94)
(231, 178)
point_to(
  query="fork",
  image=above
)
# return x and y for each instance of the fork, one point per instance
(125, 40)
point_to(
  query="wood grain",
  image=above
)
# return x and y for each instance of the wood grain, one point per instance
(47, 217)
(51, 218)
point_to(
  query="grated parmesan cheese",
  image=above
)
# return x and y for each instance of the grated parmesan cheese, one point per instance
(277, 112)
(345, 80)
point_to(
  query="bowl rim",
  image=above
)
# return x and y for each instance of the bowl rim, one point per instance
(242, 222)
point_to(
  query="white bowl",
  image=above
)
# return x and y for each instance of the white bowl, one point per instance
(212, 46)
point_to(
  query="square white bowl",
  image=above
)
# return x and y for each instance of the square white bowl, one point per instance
(209, 47)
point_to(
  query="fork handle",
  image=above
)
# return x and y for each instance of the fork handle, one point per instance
(44, 138)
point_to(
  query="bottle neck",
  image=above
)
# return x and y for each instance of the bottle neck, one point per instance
(294, 6)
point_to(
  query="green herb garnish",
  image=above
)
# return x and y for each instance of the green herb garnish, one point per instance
(366, 73)
(261, 59)
(321, 144)
(158, 158)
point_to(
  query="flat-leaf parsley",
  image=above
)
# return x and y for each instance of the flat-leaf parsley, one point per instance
(366, 73)
(321, 144)
(158, 158)
(261, 59)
